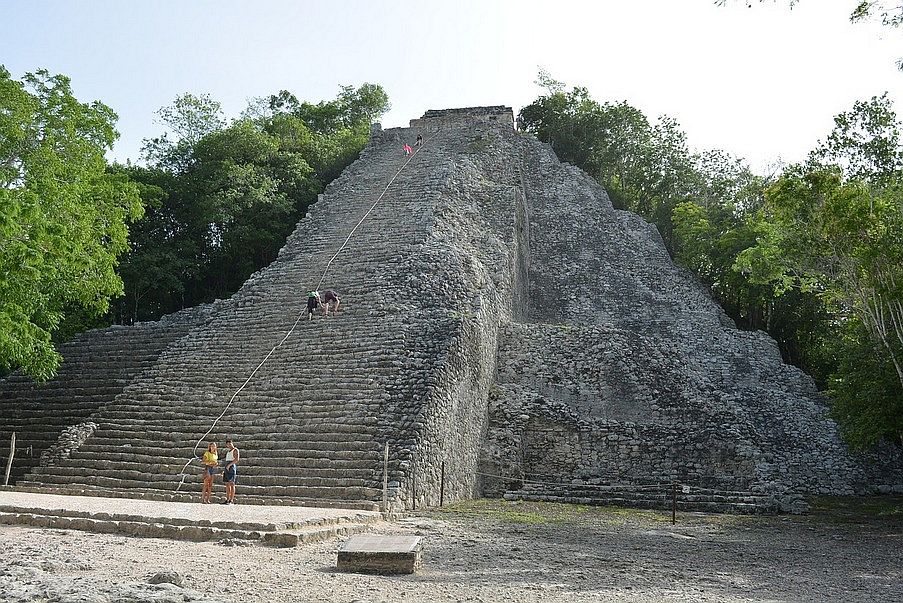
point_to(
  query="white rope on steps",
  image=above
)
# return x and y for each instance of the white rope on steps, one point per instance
(183, 475)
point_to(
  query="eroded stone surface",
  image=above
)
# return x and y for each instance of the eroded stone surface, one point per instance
(380, 554)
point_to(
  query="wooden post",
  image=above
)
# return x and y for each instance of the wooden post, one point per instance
(9, 461)
(442, 484)
(413, 484)
(386, 479)
(673, 503)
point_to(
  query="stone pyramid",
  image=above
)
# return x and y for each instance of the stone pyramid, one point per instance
(503, 331)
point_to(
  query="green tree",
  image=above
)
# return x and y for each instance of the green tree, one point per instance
(865, 143)
(63, 216)
(187, 120)
(843, 240)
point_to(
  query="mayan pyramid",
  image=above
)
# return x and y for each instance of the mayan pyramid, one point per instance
(503, 331)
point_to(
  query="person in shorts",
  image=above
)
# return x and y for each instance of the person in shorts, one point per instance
(330, 296)
(210, 460)
(230, 472)
(313, 301)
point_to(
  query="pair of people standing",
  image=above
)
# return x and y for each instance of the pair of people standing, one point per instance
(230, 471)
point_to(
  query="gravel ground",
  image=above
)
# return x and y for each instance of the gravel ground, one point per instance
(493, 551)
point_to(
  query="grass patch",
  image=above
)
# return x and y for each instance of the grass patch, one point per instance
(856, 509)
(543, 513)
(478, 145)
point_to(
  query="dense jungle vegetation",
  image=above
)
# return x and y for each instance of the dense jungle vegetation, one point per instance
(812, 253)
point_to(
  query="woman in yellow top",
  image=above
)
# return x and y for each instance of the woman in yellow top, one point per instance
(210, 460)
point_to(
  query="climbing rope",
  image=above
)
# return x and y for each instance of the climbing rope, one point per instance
(183, 475)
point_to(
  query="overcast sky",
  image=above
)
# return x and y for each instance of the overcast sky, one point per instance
(761, 82)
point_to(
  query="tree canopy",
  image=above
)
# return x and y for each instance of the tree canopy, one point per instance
(834, 227)
(63, 217)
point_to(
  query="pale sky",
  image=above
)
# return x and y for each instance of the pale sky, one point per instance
(761, 82)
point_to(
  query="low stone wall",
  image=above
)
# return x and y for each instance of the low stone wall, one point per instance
(535, 439)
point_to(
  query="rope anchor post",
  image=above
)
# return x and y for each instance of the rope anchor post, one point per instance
(386, 479)
(673, 503)
(9, 461)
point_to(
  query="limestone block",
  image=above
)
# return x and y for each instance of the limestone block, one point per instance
(380, 554)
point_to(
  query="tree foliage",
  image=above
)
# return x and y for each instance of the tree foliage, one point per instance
(187, 120)
(645, 167)
(223, 197)
(843, 239)
(62, 215)
(819, 257)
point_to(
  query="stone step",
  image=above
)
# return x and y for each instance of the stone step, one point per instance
(273, 429)
(273, 456)
(188, 493)
(176, 521)
(281, 535)
(324, 468)
(722, 502)
(150, 478)
(249, 402)
(338, 467)
(333, 491)
(281, 435)
(265, 431)
(320, 444)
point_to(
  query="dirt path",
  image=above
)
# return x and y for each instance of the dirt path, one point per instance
(492, 551)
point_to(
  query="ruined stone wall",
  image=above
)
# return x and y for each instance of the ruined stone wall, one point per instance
(466, 276)
(629, 373)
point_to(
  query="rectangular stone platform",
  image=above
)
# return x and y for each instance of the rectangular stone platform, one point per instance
(272, 525)
(380, 554)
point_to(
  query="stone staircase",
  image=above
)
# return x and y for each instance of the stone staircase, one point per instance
(98, 365)
(310, 424)
(661, 498)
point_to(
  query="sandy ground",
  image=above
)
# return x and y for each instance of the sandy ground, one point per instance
(493, 551)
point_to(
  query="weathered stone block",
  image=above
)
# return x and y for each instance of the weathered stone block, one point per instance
(380, 554)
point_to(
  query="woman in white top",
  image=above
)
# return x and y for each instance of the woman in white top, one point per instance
(230, 472)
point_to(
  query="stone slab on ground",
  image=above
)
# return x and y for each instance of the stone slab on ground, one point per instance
(380, 554)
(275, 525)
